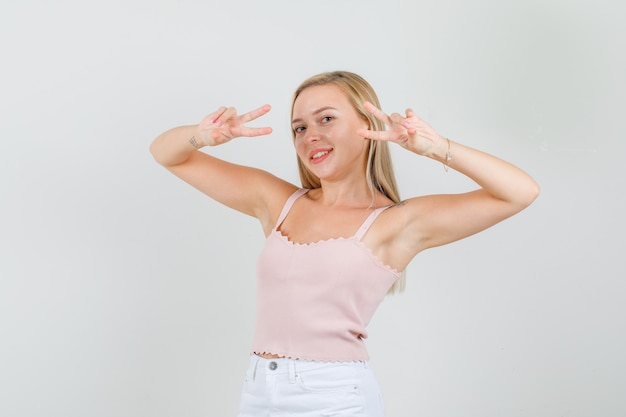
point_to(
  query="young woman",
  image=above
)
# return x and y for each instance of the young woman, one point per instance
(336, 245)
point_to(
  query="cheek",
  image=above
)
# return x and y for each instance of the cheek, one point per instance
(299, 148)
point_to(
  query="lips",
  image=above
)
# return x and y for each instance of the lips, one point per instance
(318, 155)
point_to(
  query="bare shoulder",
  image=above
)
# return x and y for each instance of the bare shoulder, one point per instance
(393, 237)
(390, 220)
(275, 198)
(389, 224)
(398, 214)
(399, 204)
(414, 207)
(402, 217)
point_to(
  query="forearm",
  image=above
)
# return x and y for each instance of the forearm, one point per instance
(499, 178)
(175, 146)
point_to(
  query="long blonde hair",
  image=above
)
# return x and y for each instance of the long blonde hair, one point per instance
(379, 168)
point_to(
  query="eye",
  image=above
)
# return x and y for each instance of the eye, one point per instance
(298, 129)
(327, 119)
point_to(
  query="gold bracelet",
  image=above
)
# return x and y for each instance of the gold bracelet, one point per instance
(446, 166)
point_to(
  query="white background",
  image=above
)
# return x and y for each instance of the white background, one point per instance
(126, 293)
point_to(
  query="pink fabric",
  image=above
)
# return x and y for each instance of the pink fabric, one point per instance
(314, 301)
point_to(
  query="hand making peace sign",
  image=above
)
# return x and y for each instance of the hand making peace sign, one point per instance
(224, 124)
(408, 131)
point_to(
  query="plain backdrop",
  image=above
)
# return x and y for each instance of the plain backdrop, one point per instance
(124, 292)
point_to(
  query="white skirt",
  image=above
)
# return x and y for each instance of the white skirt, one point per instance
(293, 387)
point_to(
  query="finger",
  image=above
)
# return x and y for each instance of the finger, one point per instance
(216, 114)
(374, 134)
(379, 114)
(228, 114)
(255, 131)
(411, 114)
(412, 121)
(255, 114)
(397, 118)
(214, 118)
(209, 119)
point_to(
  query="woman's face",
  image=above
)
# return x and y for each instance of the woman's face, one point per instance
(325, 125)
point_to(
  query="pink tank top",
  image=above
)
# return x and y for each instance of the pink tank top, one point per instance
(314, 301)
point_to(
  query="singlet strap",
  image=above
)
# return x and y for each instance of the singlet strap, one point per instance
(368, 222)
(292, 199)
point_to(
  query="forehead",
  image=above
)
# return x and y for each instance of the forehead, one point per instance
(316, 97)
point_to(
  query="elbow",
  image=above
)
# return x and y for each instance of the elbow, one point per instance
(528, 194)
(533, 191)
(536, 191)
(155, 151)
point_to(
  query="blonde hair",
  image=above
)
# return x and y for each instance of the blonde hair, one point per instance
(379, 168)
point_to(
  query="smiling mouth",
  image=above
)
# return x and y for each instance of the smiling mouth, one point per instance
(319, 154)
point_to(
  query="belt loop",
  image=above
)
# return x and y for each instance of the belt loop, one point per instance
(292, 371)
(256, 365)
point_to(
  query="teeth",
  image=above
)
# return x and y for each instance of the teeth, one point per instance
(319, 154)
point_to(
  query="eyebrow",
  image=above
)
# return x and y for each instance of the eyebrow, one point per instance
(315, 112)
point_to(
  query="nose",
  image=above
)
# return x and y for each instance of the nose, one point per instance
(311, 135)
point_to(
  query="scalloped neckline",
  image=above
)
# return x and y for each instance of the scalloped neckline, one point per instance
(317, 242)
(375, 258)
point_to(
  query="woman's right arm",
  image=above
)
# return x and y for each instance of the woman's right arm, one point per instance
(249, 190)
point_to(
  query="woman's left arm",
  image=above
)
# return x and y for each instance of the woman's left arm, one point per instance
(439, 219)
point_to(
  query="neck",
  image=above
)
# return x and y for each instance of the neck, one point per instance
(347, 194)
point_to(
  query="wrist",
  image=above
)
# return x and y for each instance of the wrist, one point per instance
(448, 156)
(201, 137)
(442, 152)
(194, 142)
